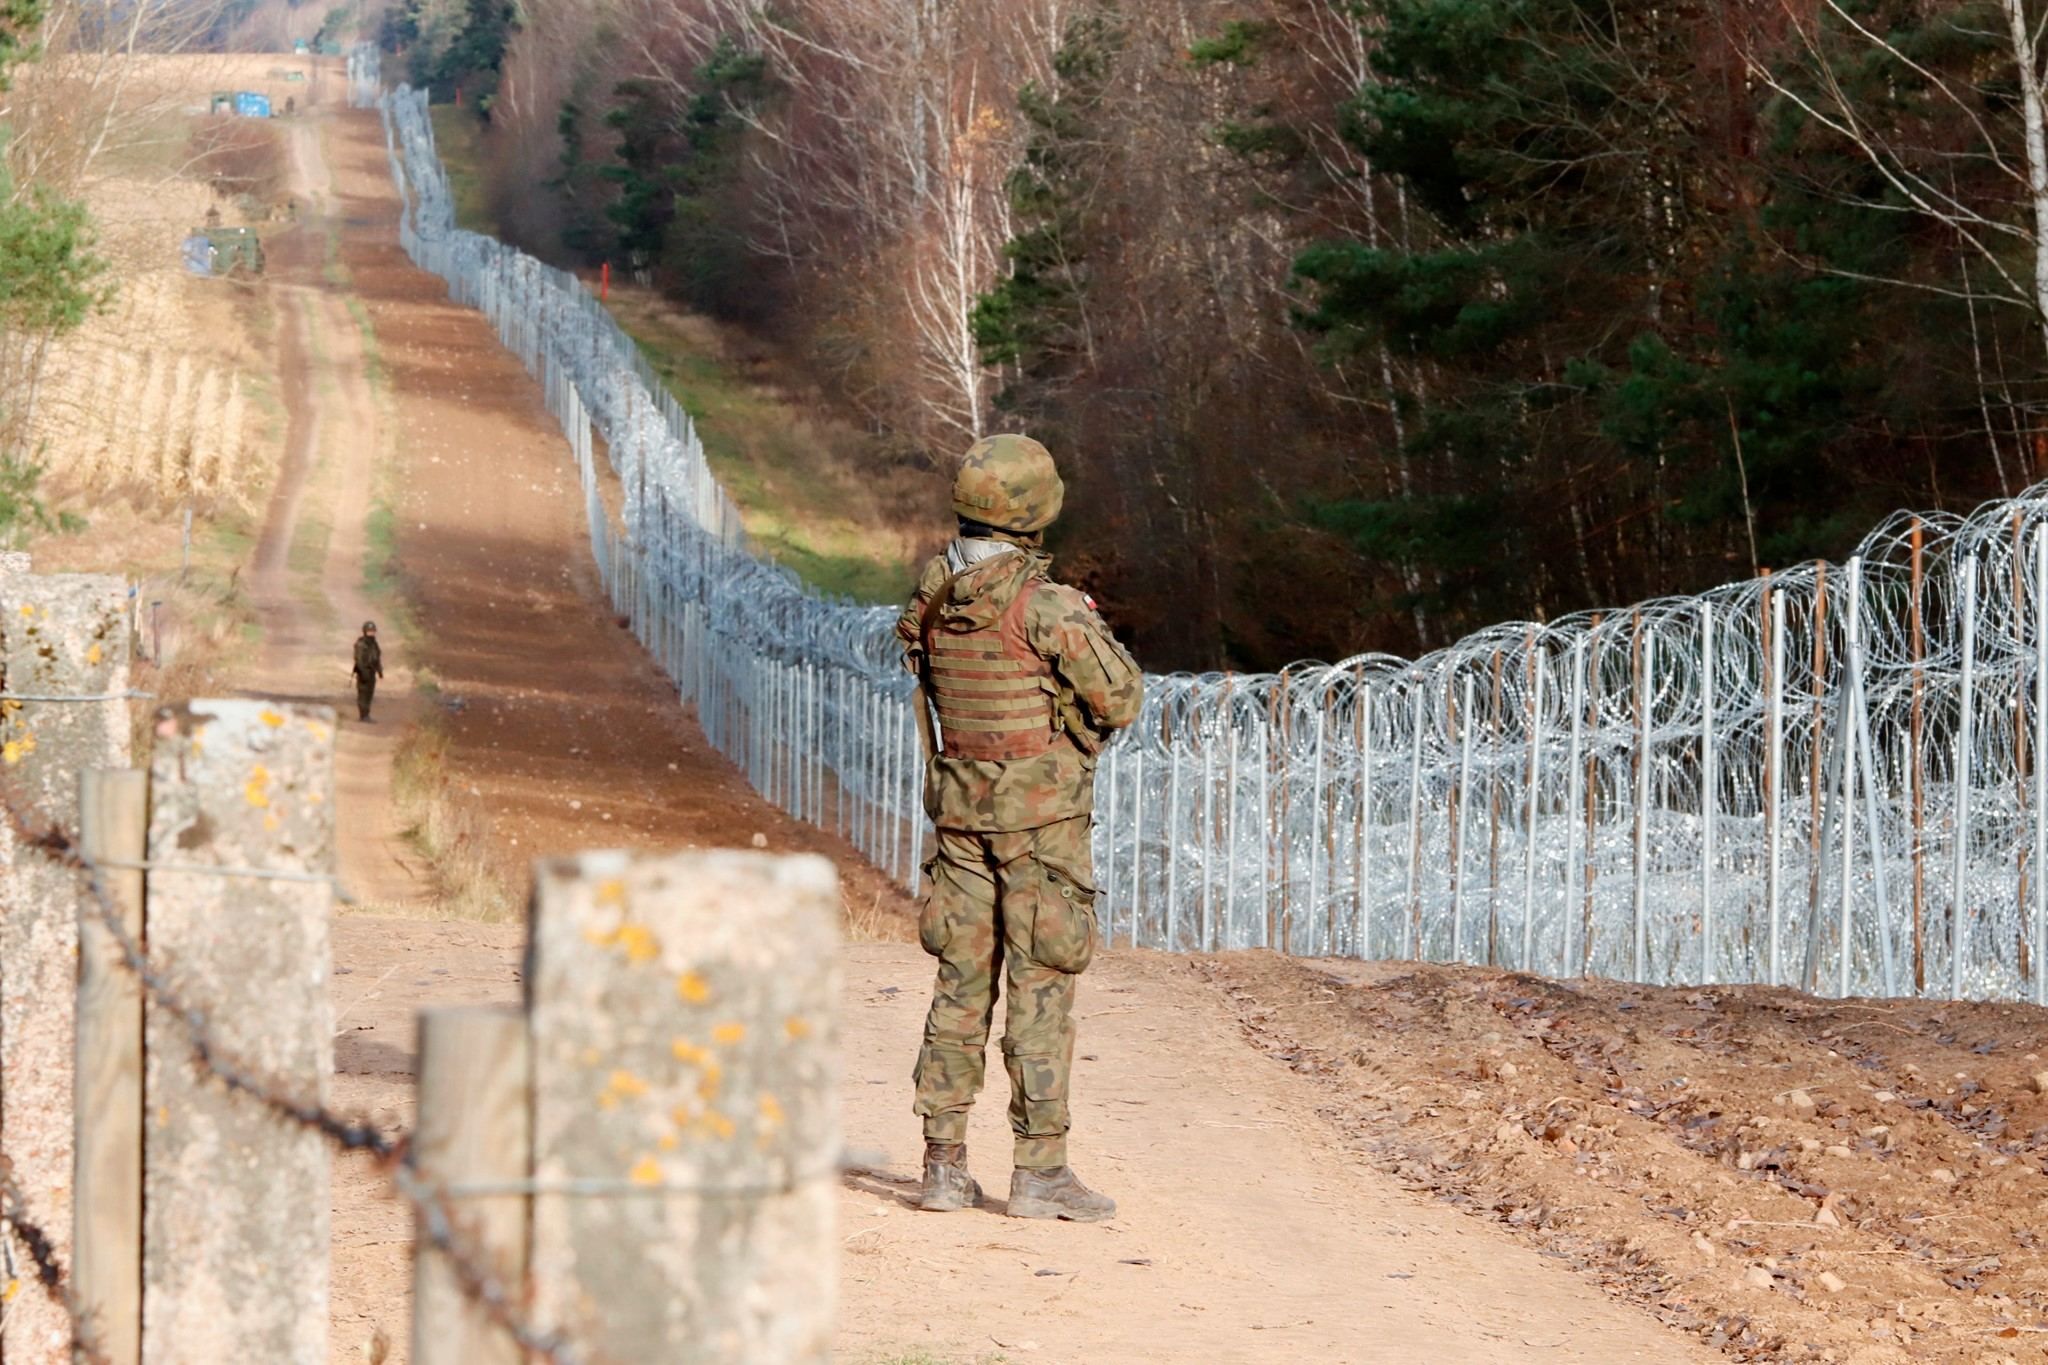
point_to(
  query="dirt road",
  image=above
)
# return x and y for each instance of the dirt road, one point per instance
(307, 576)
(1251, 1229)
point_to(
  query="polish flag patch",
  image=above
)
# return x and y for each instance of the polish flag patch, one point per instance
(1090, 601)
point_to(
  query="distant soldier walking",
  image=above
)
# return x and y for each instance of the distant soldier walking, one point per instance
(369, 667)
(1028, 684)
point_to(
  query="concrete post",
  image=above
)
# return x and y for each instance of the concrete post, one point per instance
(685, 1112)
(236, 1199)
(63, 709)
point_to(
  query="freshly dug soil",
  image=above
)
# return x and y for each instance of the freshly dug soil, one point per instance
(1792, 1179)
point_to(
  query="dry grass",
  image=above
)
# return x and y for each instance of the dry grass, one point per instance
(451, 834)
(159, 400)
(848, 511)
(872, 922)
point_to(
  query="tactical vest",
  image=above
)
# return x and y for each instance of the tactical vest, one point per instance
(993, 692)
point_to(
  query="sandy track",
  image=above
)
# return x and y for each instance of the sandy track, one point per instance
(1249, 1232)
(307, 575)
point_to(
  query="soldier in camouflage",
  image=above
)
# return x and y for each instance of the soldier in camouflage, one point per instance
(1028, 684)
(368, 667)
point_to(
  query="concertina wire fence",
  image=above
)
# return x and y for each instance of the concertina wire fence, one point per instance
(1834, 778)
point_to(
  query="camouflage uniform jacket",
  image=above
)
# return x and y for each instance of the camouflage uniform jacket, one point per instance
(1061, 625)
(369, 658)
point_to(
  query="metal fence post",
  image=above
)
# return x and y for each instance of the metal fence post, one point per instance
(1774, 787)
(1959, 901)
(2041, 765)
(1529, 806)
(1710, 793)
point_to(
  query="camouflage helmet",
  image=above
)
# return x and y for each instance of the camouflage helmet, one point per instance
(1008, 482)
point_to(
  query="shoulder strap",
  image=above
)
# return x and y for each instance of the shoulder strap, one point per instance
(934, 604)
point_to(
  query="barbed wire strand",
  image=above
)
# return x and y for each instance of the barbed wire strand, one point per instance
(445, 1231)
(41, 1249)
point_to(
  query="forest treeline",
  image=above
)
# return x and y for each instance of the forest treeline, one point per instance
(1355, 325)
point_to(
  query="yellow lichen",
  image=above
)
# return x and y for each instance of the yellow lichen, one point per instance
(720, 1124)
(611, 891)
(646, 1171)
(11, 752)
(271, 718)
(626, 1083)
(639, 942)
(667, 1142)
(256, 793)
(687, 1052)
(729, 1034)
(771, 1111)
(692, 988)
(796, 1026)
(93, 655)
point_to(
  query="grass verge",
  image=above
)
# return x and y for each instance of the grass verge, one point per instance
(841, 508)
(836, 505)
(447, 832)
(458, 136)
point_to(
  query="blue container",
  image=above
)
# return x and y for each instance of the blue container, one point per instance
(251, 105)
(198, 254)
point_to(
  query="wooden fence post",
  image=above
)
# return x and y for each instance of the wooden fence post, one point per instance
(236, 1199)
(473, 1130)
(106, 1274)
(685, 1105)
(63, 709)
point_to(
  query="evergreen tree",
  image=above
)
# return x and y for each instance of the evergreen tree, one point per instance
(51, 280)
(1035, 321)
(677, 166)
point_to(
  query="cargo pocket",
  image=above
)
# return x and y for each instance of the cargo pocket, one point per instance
(1062, 919)
(932, 931)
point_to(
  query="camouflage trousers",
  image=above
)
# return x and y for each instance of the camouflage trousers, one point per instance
(1021, 905)
(366, 692)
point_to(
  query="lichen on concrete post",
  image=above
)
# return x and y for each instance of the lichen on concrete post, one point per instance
(236, 1199)
(64, 652)
(685, 1110)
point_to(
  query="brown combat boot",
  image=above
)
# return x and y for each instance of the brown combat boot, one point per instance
(1056, 1192)
(947, 1186)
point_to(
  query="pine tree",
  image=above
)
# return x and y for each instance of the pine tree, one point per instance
(1035, 321)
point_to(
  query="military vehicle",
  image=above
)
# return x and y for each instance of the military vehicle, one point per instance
(216, 250)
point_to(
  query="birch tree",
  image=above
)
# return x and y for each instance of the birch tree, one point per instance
(1933, 127)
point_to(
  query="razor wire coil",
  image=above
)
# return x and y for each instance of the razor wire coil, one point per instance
(1834, 777)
